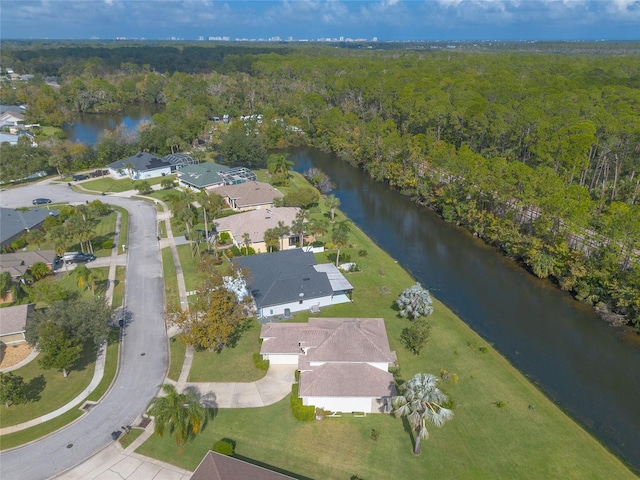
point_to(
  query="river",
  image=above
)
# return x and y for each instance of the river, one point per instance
(559, 344)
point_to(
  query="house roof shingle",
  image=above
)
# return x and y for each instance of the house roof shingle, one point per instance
(215, 466)
(14, 319)
(281, 277)
(250, 194)
(255, 222)
(346, 380)
(202, 175)
(15, 222)
(19, 262)
(141, 162)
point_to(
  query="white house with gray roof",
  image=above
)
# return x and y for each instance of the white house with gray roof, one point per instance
(289, 281)
(13, 323)
(343, 362)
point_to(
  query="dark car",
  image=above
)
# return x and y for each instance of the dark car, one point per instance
(81, 258)
(41, 201)
(77, 178)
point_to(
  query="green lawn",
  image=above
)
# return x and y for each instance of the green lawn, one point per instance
(233, 364)
(177, 350)
(162, 229)
(33, 433)
(129, 437)
(124, 228)
(189, 264)
(118, 288)
(48, 390)
(481, 442)
(108, 184)
(171, 297)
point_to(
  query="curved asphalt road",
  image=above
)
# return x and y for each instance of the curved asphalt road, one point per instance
(144, 355)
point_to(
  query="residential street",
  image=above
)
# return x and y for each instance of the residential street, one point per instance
(144, 355)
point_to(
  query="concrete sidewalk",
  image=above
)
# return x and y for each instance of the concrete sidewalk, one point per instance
(114, 462)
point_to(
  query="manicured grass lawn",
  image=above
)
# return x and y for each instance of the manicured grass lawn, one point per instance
(481, 442)
(110, 366)
(177, 350)
(130, 437)
(118, 289)
(70, 281)
(123, 238)
(233, 364)
(108, 184)
(189, 264)
(171, 297)
(33, 433)
(48, 390)
(162, 227)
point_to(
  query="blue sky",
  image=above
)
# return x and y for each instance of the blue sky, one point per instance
(313, 19)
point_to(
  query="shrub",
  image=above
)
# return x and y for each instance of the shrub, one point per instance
(260, 363)
(482, 349)
(236, 251)
(224, 447)
(317, 244)
(301, 412)
(500, 404)
(108, 245)
(362, 253)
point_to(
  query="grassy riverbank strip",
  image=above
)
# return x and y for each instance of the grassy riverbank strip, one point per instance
(504, 427)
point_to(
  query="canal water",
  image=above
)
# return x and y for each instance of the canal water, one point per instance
(559, 344)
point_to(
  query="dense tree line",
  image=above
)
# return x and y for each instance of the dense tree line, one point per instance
(538, 154)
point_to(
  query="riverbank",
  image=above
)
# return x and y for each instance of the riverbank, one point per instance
(504, 427)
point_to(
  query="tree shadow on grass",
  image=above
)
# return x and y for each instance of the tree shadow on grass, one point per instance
(410, 431)
(34, 387)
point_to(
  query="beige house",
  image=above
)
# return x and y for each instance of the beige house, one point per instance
(256, 223)
(18, 263)
(13, 322)
(343, 362)
(249, 195)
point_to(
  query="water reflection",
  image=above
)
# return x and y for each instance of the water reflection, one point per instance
(558, 343)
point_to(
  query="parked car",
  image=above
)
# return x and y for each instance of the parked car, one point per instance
(77, 178)
(41, 201)
(78, 257)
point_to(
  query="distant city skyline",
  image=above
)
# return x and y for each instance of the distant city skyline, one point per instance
(322, 20)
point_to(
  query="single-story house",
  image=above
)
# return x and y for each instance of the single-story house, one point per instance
(13, 323)
(15, 223)
(256, 223)
(19, 262)
(249, 195)
(291, 281)
(216, 466)
(11, 119)
(343, 362)
(145, 165)
(209, 175)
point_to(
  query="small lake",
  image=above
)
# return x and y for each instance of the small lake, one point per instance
(88, 127)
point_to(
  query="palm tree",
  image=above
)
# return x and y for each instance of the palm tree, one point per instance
(282, 230)
(211, 204)
(271, 239)
(246, 239)
(300, 224)
(7, 287)
(421, 402)
(332, 202)
(182, 413)
(39, 270)
(340, 236)
(183, 210)
(87, 277)
(279, 167)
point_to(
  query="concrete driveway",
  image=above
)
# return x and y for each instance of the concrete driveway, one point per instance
(143, 357)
